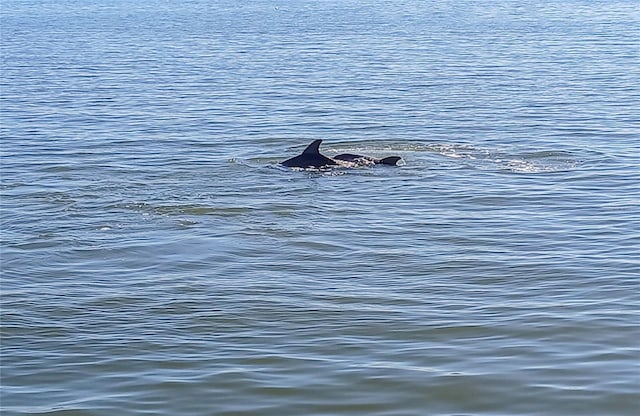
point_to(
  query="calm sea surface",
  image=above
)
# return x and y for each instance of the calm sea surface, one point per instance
(156, 258)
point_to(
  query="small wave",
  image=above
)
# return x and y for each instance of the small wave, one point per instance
(484, 158)
(196, 210)
(510, 160)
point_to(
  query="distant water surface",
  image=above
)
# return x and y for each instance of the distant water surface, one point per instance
(156, 259)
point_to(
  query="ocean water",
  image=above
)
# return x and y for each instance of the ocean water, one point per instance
(156, 259)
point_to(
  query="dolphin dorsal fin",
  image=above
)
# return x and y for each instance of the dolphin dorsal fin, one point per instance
(313, 148)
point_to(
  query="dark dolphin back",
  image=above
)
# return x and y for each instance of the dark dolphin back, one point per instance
(310, 158)
(391, 160)
(348, 157)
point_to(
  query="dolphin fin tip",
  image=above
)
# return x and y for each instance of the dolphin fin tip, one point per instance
(313, 148)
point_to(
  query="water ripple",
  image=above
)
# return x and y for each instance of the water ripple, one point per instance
(157, 259)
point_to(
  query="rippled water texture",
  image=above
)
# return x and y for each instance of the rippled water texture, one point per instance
(156, 258)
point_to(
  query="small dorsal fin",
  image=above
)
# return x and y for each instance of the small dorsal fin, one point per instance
(313, 148)
(391, 160)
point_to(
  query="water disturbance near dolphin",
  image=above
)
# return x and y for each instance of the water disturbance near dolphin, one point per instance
(312, 158)
(348, 157)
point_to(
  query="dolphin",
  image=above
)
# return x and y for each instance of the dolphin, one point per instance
(311, 158)
(367, 160)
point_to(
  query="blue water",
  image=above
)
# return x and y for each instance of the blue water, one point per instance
(156, 258)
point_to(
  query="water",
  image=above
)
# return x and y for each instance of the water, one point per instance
(156, 259)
